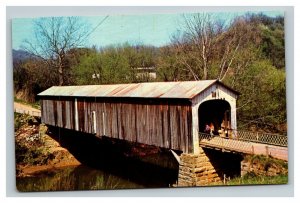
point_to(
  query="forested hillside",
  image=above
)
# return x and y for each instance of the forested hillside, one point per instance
(247, 54)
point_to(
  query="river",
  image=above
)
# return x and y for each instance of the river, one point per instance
(155, 171)
(105, 164)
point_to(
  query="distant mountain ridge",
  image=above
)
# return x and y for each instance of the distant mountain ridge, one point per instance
(20, 55)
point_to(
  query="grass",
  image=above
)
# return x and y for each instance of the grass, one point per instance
(252, 179)
(261, 177)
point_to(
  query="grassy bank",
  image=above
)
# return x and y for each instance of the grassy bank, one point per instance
(252, 179)
(260, 170)
(265, 162)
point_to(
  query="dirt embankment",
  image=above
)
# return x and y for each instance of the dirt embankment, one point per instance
(262, 165)
(18, 105)
(35, 149)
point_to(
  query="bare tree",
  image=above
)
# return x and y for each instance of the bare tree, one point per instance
(54, 37)
(206, 39)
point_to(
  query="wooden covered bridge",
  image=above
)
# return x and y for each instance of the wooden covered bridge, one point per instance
(164, 114)
(170, 115)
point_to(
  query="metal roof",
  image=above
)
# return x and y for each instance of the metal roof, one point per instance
(185, 89)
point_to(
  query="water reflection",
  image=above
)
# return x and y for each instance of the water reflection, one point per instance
(73, 178)
(134, 174)
(106, 164)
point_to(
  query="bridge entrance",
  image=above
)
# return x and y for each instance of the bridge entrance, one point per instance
(216, 114)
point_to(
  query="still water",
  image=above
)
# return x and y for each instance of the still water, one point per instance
(129, 175)
(75, 178)
(106, 164)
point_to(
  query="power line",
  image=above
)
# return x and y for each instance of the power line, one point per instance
(97, 26)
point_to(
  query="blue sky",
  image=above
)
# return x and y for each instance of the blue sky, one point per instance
(153, 30)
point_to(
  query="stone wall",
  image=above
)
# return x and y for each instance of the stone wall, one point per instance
(207, 167)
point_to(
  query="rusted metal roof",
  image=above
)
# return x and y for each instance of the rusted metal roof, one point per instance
(185, 89)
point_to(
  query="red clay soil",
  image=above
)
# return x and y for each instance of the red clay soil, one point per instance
(29, 170)
(45, 146)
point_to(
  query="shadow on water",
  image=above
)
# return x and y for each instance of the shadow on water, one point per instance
(106, 164)
(73, 178)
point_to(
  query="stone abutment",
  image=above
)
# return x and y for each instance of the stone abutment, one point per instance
(208, 167)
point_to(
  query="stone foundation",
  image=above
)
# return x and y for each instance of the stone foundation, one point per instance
(207, 167)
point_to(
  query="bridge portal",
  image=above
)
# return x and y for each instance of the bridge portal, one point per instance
(216, 113)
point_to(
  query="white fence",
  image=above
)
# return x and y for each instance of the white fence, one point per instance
(265, 138)
(249, 143)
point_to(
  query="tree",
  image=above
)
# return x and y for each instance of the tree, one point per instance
(271, 34)
(246, 54)
(206, 39)
(107, 67)
(140, 59)
(169, 68)
(263, 100)
(31, 77)
(54, 37)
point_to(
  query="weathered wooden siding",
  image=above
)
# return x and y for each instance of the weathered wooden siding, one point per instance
(58, 113)
(161, 123)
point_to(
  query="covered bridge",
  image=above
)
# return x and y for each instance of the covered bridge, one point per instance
(164, 114)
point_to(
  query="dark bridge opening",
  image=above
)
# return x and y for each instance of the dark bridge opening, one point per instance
(226, 164)
(214, 113)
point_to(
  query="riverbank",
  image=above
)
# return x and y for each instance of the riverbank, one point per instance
(59, 160)
(36, 150)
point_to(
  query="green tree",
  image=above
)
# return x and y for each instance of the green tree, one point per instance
(169, 68)
(54, 37)
(31, 77)
(106, 67)
(263, 100)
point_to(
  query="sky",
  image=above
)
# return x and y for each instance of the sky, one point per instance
(154, 30)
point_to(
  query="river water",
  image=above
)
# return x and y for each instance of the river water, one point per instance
(156, 171)
(106, 164)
